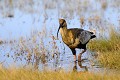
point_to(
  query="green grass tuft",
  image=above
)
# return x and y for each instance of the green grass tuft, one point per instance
(108, 49)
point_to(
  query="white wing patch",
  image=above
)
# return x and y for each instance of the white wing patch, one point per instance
(85, 37)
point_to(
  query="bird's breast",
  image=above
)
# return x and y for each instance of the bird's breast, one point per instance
(75, 44)
(69, 39)
(66, 37)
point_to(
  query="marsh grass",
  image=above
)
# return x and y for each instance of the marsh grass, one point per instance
(108, 50)
(34, 50)
(26, 74)
(110, 59)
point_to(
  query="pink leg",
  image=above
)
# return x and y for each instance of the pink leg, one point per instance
(75, 57)
(79, 56)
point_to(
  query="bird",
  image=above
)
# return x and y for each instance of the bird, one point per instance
(74, 38)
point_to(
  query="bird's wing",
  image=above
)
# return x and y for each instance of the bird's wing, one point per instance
(84, 36)
(76, 31)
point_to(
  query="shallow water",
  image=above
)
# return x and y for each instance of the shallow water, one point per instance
(61, 61)
(25, 23)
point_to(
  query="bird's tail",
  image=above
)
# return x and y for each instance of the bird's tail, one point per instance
(92, 35)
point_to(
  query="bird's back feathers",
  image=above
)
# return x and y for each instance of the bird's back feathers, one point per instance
(83, 35)
(76, 36)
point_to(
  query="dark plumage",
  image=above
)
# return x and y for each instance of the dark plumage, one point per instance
(74, 37)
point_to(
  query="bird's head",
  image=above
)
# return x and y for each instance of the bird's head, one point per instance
(62, 24)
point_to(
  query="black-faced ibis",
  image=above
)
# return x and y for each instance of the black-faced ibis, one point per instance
(74, 38)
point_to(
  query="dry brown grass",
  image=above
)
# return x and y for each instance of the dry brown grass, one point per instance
(26, 74)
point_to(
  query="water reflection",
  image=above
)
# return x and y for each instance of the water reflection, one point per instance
(75, 67)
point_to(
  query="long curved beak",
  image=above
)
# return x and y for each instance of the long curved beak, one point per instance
(58, 31)
(60, 27)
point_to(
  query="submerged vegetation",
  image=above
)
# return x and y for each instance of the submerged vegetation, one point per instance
(32, 51)
(108, 50)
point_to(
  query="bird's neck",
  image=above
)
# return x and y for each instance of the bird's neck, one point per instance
(63, 31)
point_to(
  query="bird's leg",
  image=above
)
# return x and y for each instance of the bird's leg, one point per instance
(79, 56)
(74, 54)
(75, 57)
